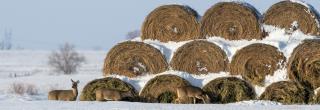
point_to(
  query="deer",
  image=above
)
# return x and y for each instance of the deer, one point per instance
(65, 95)
(112, 94)
(193, 92)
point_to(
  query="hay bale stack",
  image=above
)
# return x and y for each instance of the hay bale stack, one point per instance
(162, 88)
(208, 58)
(133, 59)
(232, 20)
(304, 64)
(88, 92)
(229, 89)
(285, 13)
(256, 61)
(171, 23)
(286, 92)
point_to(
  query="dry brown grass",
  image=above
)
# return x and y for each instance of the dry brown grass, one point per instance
(256, 61)
(233, 21)
(284, 13)
(171, 23)
(134, 59)
(208, 58)
(228, 90)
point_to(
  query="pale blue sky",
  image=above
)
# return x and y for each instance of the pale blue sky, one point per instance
(44, 24)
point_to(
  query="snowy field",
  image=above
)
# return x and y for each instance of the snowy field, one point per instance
(30, 67)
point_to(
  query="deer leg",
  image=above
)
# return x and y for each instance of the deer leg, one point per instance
(194, 100)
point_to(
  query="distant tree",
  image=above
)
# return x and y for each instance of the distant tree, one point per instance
(133, 34)
(6, 43)
(66, 60)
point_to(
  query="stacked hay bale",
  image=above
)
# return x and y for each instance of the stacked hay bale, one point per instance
(171, 23)
(286, 92)
(162, 88)
(232, 20)
(304, 64)
(209, 58)
(133, 59)
(254, 62)
(291, 16)
(229, 89)
(88, 92)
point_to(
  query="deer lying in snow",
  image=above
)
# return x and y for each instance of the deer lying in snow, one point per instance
(193, 92)
(112, 94)
(65, 95)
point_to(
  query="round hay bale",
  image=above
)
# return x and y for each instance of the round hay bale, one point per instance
(133, 59)
(229, 89)
(171, 23)
(162, 88)
(209, 58)
(285, 13)
(286, 92)
(88, 92)
(231, 20)
(256, 61)
(304, 64)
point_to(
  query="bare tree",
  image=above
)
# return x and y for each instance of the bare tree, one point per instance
(6, 43)
(66, 60)
(133, 34)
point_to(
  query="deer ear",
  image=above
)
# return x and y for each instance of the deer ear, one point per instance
(72, 80)
(78, 81)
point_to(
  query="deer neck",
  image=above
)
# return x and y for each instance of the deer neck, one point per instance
(75, 91)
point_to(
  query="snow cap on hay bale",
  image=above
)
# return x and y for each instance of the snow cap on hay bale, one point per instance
(88, 92)
(171, 23)
(133, 59)
(229, 89)
(286, 92)
(256, 61)
(232, 20)
(304, 64)
(286, 13)
(199, 57)
(163, 88)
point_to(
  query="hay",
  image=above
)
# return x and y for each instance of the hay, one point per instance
(284, 13)
(133, 59)
(233, 21)
(162, 88)
(304, 64)
(88, 92)
(256, 61)
(229, 89)
(171, 23)
(286, 92)
(209, 58)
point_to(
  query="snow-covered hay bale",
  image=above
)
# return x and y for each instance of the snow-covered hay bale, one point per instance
(291, 16)
(171, 23)
(286, 92)
(162, 88)
(256, 61)
(231, 20)
(304, 64)
(133, 59)
(88, 92)
(229, 89)
(199, 57)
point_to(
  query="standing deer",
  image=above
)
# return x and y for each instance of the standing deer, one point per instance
(112, 94)
(65, 95)
(193, 92)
